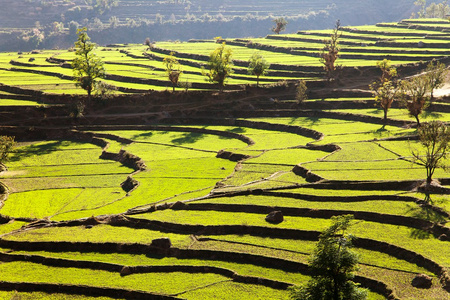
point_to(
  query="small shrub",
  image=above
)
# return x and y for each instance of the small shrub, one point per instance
(301, 93)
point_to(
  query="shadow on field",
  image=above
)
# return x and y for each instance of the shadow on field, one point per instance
(32, 150)
(431, 114)
(188, 138)
(145, 134)
(237, 130)
(311, 120)
(424, 212)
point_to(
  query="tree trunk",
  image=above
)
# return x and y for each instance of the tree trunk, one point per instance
(385, 116)
(335, 290)
(430, 172)
(418, 121)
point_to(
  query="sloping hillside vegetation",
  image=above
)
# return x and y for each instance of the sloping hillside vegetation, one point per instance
(32, 24)
(147, 193)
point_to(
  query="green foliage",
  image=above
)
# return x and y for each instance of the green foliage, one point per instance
(435, 138)
(87, 67)
(385, 89)
(332, 265)
(301, 92)
(258, 66)
(415, 95)
(388, 72)
(330, 52)
(173, 69)
(6, 145)
(439, 10)
(280, 25)
(220, 65)
(104, 91)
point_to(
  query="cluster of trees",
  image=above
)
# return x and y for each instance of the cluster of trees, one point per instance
(434, 10)
(415, 93)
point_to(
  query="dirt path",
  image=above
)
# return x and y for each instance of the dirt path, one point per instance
(444, 91)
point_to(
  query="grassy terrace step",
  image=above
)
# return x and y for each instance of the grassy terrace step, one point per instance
(61, 176)
(169, 268)
(404, 236)
(144, 269)
(271, 155)
(214, 256)
(45, 296)
(202, 254)
(420, 222)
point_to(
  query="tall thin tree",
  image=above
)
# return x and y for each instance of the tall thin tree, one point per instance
(87, 66)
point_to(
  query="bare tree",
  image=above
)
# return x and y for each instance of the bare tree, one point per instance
(435, 138)
(330, 52)
(280, 25)
(414, 93)
(385, 89)
(173, 69)
(436, 72)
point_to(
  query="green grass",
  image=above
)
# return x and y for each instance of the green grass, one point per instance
(144, 260)
(11, 226)
(99, 234)
(201, 141)
(400, 235)
(45, 296)
(166, 283)
(14, 102)
(64, 180)
(288, 157)
(379, 206)
(54, 177)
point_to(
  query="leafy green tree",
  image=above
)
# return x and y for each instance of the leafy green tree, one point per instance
(385, 93)
(258, 66)
(6, 145)
(385, 89)
(436, 73)
(387, 71)
(280, 25)
(87, 67)
(173, 69)
(414, 93)
(332, 265)
(435, 138)
(330, 52)
(220, 65)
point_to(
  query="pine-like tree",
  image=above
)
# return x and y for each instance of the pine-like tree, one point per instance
(332, 265)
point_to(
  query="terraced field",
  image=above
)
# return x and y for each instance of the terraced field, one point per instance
(138, 69)
(84, 200)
